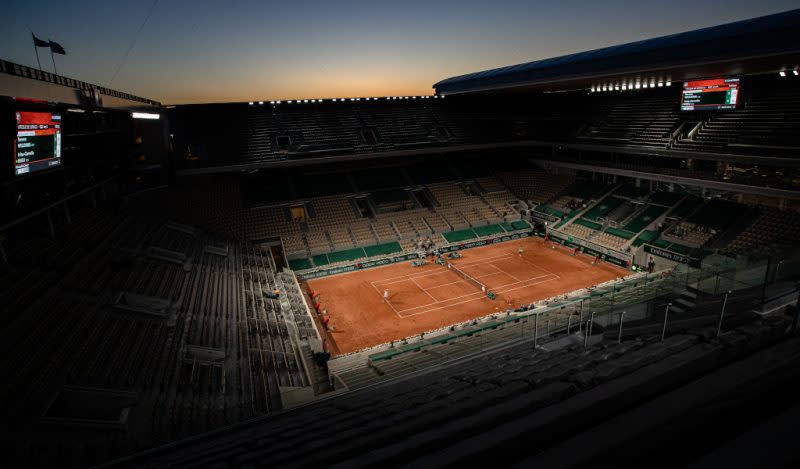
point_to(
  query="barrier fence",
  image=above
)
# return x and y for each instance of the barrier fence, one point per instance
(392, 259)
(606, 254)
(604, 305)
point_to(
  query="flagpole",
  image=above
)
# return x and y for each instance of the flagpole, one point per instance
(36, 49)
(37, 57)
(54, 60)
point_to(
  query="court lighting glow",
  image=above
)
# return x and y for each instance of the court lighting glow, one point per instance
(260, 103)
(624, 87)
(795, 72)
(250, 103)
(782, 73)
(638, 85)
(145, 115)
(660, 84)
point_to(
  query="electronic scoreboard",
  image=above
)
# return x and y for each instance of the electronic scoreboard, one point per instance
(38, 142)
(709, 95)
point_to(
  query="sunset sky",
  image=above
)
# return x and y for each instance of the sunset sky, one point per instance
(204, 51)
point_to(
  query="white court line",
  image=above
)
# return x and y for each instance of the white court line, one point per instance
(387, 301)
(413, 279)
(424, 290)
(464, 281)
(499, 289)
(503, 271)
(482, 259)
(445, 284)
(540, 268)
(403, 278)
(435, 301)
(465, 301)
(489, 275)
(414, 275)
(526, 286)
(476, 293)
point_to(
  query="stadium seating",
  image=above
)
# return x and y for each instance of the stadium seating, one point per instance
(773, 226)
(582, 228)
(172, 316)
(534, 186)
(764, 124)
(690, 234)
(768, 122)
(504, 405)
(638, 120)
(266, 133)
(610, 240)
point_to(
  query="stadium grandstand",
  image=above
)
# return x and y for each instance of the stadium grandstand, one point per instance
(592, 259)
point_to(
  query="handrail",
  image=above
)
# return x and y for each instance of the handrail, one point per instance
(54, 204)
(592, 245)
(24, 71)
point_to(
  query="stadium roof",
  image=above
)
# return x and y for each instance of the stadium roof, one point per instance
(767, 43)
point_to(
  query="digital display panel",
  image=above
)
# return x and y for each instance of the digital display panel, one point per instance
(709, 95)
(38, 142)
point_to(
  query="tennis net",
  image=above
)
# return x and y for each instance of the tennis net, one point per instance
(467, 277)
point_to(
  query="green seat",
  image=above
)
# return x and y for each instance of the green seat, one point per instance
(346, 255)
(300, 264)
(459, 235)
(320, 259)
(488, 230)
(520, 225)
(383, 249)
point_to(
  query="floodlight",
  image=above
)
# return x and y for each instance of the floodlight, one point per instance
(145, 115)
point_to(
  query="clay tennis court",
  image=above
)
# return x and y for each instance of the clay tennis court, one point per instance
(433, 296)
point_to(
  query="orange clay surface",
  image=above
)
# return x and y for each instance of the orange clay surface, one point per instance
(429, 297)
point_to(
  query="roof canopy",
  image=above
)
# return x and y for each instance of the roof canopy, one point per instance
(746, 46)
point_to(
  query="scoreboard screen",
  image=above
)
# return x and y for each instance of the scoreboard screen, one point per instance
(38, 142)
(709, 95)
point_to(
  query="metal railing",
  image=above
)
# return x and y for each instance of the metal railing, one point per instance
(24, 71)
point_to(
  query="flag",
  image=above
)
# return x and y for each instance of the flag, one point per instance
(38, 42)
(56, 48)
